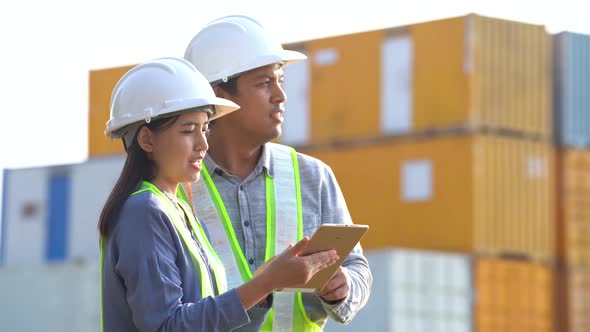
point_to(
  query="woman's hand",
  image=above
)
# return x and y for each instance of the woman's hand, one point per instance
(285, 270)
(288, 269)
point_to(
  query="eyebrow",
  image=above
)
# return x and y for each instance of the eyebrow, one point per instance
(193, 123)
(269, 76)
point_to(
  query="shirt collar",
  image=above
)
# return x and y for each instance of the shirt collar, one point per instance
(263, 163)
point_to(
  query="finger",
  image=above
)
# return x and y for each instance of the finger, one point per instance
(337, 280)
(321, 260)
(298, 247)
(336, 294)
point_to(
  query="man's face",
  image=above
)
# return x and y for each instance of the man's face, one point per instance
(261, 99)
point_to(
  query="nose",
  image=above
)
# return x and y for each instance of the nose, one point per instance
(201, 144)
(279, 96)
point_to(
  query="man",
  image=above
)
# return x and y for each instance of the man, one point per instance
(256, 197)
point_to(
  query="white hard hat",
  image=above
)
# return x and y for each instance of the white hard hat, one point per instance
(159, 87)
(234, 44)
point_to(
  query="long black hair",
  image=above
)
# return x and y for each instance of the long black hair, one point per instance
(138, 167)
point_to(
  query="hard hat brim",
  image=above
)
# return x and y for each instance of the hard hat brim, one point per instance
(222, 107)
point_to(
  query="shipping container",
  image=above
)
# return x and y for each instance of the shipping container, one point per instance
(464, 193)
(571, 86)
(92, 182)
(101, 83)
(573, 298)
(51, 213)
(482, 71)
(52, 298)
(344, 85)
(415, 290)
(573, 218)
(36, 222)
(513, 296)
(470, 71)
(296, 127)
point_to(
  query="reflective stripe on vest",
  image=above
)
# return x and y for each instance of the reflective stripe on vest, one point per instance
(207, 288)
(288, 313)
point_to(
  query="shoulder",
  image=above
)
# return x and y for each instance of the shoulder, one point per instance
(305, 161)
(142, 214)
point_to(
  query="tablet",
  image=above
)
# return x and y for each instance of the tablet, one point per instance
(341, 237)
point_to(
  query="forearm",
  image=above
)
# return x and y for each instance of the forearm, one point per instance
(360, 278)
(254, 291)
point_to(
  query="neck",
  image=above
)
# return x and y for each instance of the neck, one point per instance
(236, 156)
(165, 187)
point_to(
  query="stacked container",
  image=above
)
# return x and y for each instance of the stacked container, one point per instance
(462, 142)
(572, 123)
(441, 136)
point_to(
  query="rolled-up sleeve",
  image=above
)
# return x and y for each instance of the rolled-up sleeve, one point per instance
(147, 266)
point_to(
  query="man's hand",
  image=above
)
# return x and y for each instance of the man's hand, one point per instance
(337, 288)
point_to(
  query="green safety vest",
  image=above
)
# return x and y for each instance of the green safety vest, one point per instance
(207, 286)
(284, 189)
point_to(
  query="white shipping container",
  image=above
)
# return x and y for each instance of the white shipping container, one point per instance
(418, 291)
(51, 213)
(296, 128)
(50, 298)
(25, 212)
(92, 182)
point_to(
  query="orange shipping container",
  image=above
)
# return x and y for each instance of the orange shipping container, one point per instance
(573, 299)
(101, 84)
(513, 296)
(344, 83)
(468, 193)
(573, 232)
(482, 71)
(469, 71)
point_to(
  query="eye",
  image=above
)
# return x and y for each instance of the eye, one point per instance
(264, 83)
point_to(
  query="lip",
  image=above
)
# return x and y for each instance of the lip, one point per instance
(196, 164)
(277, 114)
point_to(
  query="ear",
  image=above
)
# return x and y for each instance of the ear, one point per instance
(219, 92)
(145, 139)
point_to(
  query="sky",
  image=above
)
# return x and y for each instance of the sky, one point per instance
(48, 47)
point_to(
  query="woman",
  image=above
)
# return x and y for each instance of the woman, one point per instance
(159, 271)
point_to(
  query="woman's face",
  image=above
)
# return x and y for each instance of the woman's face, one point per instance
(179, 150)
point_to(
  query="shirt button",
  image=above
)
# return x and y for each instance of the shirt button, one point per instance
(218, 171)
(246, 223)
(242, 188)
(251, 261)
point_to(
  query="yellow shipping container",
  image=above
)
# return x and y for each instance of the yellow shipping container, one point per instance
(344, 83)
(573, 299)
(482, 71)
(468, 193)
(470, 71)
(101, 84)
(513, 296)
(573, 231)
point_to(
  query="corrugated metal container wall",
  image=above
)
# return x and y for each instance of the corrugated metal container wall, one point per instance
(51, 213)
(513, 296)
(490, 194)
(50, 298)
(571, 87)
(573, 231)
(417, 291)
(36, 215)
(345, 76)
(481, 71)
(92, 182)
(396, 82)
(573, 299)
(101, 84)
(296, 128)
